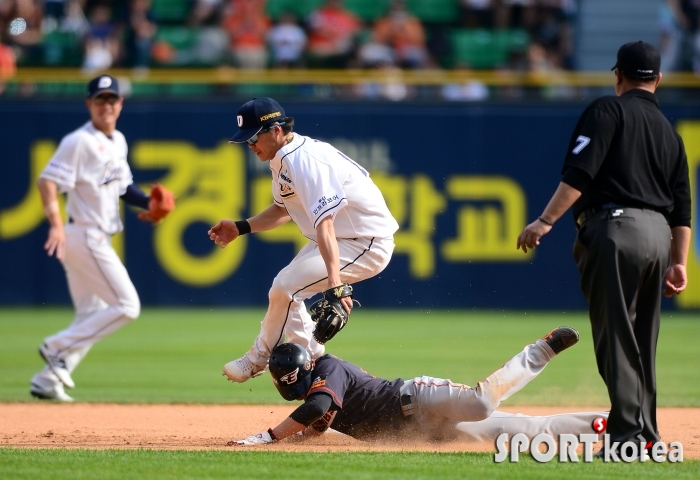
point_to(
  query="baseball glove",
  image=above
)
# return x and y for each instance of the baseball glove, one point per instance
(328, 313)
(160, 205)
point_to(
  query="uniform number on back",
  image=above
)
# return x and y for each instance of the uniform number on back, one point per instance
(582, 142)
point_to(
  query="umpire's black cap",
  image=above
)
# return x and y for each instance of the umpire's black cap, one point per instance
(638, 60)
(255, 115)
(102, 84)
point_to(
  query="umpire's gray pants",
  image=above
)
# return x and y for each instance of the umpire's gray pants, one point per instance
(622, 254)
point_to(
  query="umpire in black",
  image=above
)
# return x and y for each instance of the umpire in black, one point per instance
(626, 175)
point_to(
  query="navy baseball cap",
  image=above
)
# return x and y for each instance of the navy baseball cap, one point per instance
(103, 84)
(255, 115)
(638, 60)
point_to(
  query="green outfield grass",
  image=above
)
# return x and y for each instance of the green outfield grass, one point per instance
(120, 464)
(176, 355)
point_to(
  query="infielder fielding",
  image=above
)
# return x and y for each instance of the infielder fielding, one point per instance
(90, 166)
(336, 206)
(342, 396)
(626, 175)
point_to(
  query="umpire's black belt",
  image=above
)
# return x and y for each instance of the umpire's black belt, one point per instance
(589, 212)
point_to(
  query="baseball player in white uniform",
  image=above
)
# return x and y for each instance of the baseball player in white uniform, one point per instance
(89, 165)
(336, 206)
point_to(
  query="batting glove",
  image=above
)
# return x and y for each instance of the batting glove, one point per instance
(261, 438)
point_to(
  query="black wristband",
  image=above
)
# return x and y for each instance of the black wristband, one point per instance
(272, 434)
(545, 221)
(243, 226)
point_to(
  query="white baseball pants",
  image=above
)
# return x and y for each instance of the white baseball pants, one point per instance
(306, 276)
(513, 423)
(102, 292)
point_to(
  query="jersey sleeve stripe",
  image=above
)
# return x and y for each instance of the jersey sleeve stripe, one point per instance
(330, 392)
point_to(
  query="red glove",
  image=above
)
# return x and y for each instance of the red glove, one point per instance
(160, 205)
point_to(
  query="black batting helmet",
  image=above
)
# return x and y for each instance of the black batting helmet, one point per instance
(290, 368)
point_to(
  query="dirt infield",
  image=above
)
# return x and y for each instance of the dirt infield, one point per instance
(205, 427)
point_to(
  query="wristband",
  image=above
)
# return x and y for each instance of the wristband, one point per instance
(51, 208)
(243, 226)
(272, 434)
(545, 221)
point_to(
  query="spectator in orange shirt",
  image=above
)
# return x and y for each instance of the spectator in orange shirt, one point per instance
(247, 24)
(405, 34)
(332, 31)
(8, 64)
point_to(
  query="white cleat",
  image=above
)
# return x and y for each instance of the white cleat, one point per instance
(57, 366)
(56, 393)
(243, 369)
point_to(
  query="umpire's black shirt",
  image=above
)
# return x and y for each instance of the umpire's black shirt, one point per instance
(624, 151)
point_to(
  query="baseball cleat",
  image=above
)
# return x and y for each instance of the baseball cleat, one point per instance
(57, 366)
(561, 338)
(242, 369)
(56, 393)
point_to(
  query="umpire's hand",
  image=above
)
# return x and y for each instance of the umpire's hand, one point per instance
(530, 236)
(675, 280)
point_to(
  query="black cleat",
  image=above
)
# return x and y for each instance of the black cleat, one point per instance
(561, 338)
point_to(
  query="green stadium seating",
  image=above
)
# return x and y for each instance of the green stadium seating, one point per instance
(518, 40)
(275, 8)
(170, 11)
(368, 9)
(301, 8)
(62, 49)
(434, 11)
(486, 49)
(178, 37)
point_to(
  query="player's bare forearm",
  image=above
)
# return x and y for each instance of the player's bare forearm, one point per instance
(288, 427)
(226, 231)
(563, 198)
(55, 243)
(328, 246)
(49, 198)
(269, 219)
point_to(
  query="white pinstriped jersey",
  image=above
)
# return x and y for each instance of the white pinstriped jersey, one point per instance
(93, 170)
(313, 180)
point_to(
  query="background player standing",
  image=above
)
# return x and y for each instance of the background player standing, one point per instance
(627, 173)
(336, 206)
(90, 165)
(342, 396)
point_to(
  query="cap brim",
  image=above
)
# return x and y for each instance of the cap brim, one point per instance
(104, 90)
(244, 134)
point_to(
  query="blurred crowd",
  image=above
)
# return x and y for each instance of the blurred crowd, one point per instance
(513, 35)
(680, 35)
(98, 34)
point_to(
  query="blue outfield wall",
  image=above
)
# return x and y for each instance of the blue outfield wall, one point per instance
(462, 180)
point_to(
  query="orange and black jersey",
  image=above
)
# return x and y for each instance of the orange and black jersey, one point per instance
(361, 405)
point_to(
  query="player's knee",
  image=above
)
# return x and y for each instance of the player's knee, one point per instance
(482, 408)
(280, 290)
(132, 308)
